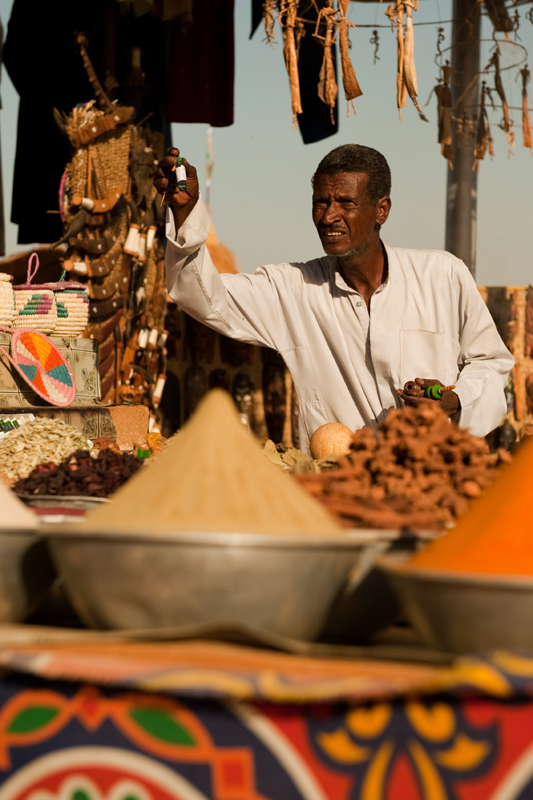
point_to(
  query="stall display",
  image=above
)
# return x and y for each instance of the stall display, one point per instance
(419, 471)
(81, 475)
(37, 442)
(213, 477)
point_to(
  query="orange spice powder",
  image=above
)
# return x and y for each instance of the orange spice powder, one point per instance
(495, 535)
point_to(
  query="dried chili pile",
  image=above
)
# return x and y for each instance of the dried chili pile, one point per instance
(420, 472)
(81, 475)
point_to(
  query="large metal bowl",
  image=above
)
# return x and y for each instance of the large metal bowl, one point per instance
(278, 584)
(26, 573)
(464, 612)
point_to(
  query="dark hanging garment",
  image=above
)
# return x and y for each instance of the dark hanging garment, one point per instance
(47, 72)
(2, 220)
(315, 121)
(202, 64)
(257, 15)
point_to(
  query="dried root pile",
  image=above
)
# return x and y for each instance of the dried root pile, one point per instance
(420, 472)
(81, 475)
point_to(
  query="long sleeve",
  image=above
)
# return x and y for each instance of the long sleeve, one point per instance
(249, 308)
(485, 359)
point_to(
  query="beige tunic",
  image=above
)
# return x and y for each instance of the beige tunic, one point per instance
(427, 320)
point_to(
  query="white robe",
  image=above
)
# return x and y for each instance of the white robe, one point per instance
(427, 320)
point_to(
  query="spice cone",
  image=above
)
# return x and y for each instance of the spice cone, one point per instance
(213, 477)
(496, 534)
(14, 514)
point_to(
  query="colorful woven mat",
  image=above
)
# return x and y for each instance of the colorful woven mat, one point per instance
(42, 365)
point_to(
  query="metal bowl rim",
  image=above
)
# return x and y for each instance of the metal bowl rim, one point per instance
(396, 564)
(62, 497)
(21, 531)
(208, 538)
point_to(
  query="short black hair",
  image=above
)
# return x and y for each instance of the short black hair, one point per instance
(358, 158)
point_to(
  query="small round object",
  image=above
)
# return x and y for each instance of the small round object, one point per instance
(331, 439)
(433, 392)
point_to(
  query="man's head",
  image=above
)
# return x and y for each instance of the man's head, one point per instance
(351, 189)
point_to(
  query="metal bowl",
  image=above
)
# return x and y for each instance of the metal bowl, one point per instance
(279, 584)
(55, 508)
(464, 612)
(26, 573)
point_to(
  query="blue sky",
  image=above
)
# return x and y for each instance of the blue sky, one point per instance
(261, 198)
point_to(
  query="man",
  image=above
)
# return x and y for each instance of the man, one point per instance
(354, 326)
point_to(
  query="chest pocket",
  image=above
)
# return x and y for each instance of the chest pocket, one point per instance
(426, 354)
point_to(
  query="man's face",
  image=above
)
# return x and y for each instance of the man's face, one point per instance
(344, 216)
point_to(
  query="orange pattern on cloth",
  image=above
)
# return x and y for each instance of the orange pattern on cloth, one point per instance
(496, 534)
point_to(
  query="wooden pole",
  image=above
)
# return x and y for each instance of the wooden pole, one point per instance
(462, 179)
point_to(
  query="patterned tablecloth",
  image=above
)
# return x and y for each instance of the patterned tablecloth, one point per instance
(100, 719)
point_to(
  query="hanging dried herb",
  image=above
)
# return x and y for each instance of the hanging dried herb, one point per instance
(287, 18)
(444, 112)
(409, 70)
(526, 122)
(327, 83)
(349, 80)
(483, 137)
(498, 85)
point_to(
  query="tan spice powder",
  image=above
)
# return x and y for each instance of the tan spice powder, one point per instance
(213, 477)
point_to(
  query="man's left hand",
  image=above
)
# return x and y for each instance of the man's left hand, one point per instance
(449, 401)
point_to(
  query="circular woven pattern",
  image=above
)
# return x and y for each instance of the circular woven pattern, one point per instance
(43, 366)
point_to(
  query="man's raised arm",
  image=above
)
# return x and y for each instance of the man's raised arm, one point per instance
(243, 307)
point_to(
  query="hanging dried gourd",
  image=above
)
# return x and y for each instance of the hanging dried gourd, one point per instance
(287, 18)
(327, 83)
(349, 80)
(483, 137)
(526, 122)
(498, 85)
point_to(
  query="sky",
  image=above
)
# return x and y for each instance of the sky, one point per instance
(261, 195)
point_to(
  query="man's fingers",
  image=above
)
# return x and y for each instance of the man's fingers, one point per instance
(189, 169)
(425, 382)
(164, 185)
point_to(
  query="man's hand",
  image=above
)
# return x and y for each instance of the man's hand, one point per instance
(449, 401)
(166, 183)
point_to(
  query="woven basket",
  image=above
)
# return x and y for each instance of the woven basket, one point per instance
(35, 304)
(7, 301)
(72, 305)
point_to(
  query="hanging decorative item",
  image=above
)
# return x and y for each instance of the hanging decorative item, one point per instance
(406, 83)
(287, 17)
(327, 84)
(327, 21)
(526, 122)
(444, 111)
(506, 124)
(39, 362)
(483, 135)
(349, 80)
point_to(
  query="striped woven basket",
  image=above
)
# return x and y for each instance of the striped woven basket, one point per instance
(7, 300)
(34, 303)
(72, 305)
